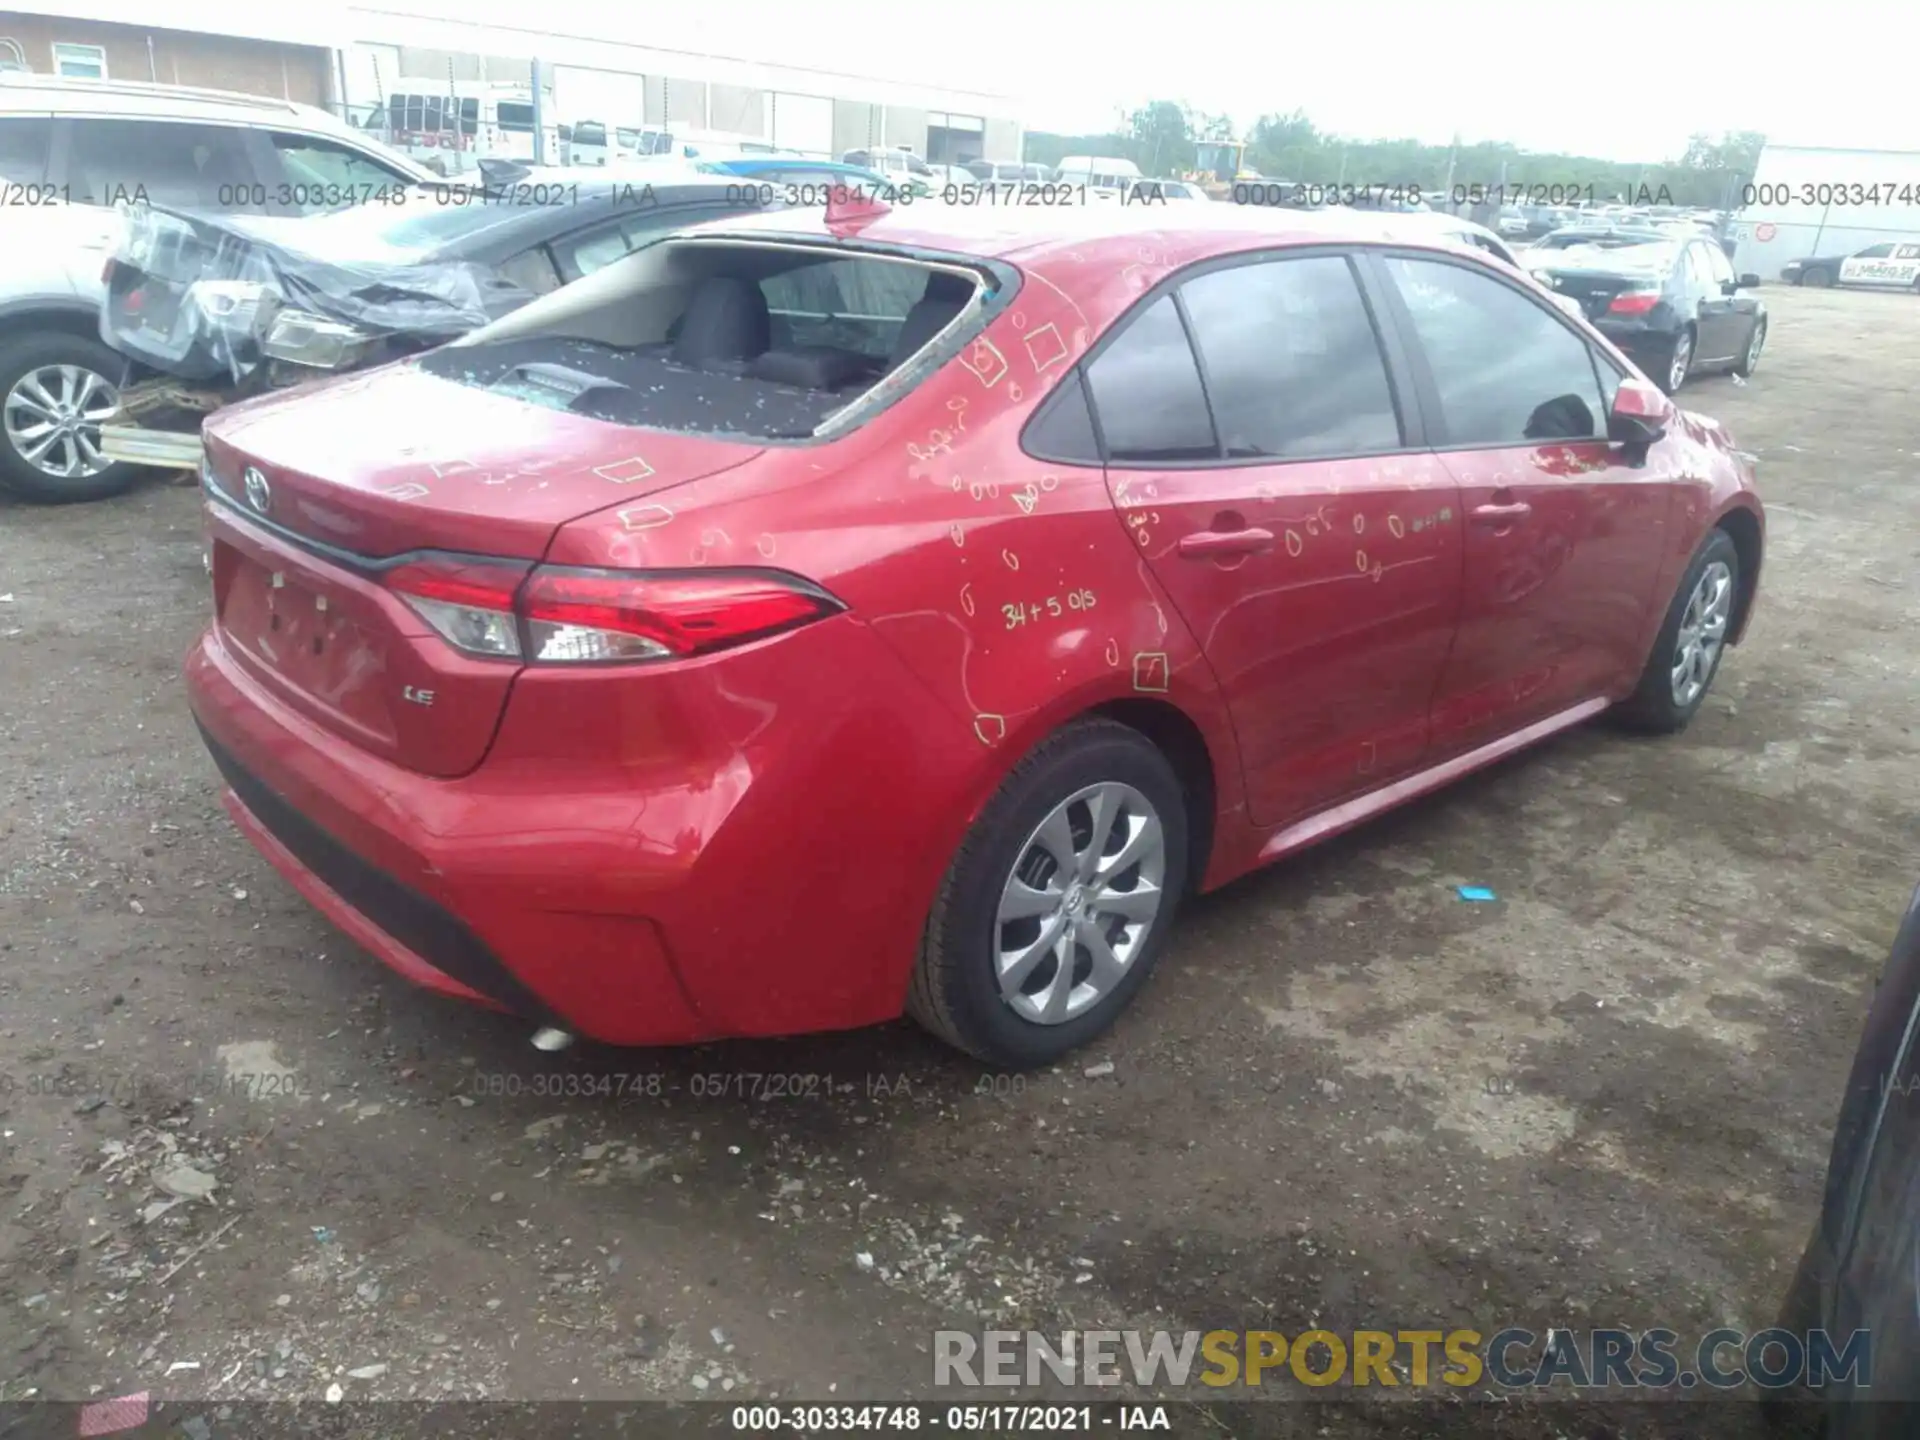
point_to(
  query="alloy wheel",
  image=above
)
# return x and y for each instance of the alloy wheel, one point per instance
(1753, 346)
(1681, 363)
(53, 417)
(1703, 630)
(1079, 903)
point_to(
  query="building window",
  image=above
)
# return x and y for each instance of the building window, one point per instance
(83, 62)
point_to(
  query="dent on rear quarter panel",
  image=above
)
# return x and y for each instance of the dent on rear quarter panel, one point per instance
(1008, 586)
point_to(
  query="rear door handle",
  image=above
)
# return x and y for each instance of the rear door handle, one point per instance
(1205, 544)
(1502, 514)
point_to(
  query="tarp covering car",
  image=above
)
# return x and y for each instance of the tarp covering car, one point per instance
(234, 301)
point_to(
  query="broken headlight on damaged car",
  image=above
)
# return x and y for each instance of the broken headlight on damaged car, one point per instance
(252, 315)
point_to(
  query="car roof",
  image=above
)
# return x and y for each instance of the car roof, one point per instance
(749, 165)
(64, 95)
(612, 191)
(67, 95)
(1152, 237)
(1603, 230)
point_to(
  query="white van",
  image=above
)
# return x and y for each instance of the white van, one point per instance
(1107, 176)
(451, 124)
(898, 163)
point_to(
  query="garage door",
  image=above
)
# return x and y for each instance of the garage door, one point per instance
(803, 123)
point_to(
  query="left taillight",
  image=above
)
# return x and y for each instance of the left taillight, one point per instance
(469, 603)
(559, 615)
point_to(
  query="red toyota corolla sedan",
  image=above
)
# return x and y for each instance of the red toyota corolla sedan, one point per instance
(820, 616)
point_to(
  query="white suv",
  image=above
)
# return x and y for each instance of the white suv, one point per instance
(72, 150)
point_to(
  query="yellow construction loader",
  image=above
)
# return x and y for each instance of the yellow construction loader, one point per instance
(1217, 165)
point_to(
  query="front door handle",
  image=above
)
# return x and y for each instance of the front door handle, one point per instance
(1502, 514)
(1207, 544)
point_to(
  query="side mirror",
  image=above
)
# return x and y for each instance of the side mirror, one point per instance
(1749, 281)
(1727, 287)
(1640, 414)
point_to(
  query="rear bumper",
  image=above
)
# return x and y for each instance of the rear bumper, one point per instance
(776, 886)
(389, 858)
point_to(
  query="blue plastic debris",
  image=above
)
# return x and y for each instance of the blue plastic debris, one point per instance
(323, 1234)
(1478, 893)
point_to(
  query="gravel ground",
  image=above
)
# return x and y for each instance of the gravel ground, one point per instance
(1347, 1100)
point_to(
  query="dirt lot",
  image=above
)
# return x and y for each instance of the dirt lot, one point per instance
(1348, 1098)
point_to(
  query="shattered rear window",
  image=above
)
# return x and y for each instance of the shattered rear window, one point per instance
(763, 343)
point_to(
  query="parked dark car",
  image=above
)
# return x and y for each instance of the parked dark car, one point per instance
(217, 308)
(1672, 303)
(1859, 1269)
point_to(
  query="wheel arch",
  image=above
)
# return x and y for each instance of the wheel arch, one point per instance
(1187, 722)
(1743, 527)
(1175, 735)
(36, 316)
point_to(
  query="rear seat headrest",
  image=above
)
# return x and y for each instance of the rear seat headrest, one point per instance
(727, 319)
(948, 288)
(808, 367)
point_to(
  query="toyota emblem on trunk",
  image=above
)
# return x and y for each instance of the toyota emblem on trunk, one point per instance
(259, 493)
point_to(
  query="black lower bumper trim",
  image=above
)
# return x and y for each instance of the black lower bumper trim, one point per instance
(424, 927)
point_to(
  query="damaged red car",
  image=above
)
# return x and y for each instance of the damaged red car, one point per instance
(810, 618)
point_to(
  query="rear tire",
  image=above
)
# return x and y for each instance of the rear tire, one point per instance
(1679, 363)
(1662, 704)
(977, 984)
(35, 367)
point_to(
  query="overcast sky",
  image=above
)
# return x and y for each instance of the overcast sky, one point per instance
(1626, 79)
(1623, 79)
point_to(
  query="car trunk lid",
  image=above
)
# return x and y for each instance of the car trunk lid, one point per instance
(1595, 277)
(314, 496)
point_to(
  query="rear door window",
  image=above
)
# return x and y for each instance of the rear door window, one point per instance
(1146, 391)
(1718, 265)
(1700, 269)
(1293, 366)
(25, 144)
(1507, 371)
(856, 305)
(200, 167)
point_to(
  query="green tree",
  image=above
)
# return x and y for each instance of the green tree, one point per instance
(1159, 137)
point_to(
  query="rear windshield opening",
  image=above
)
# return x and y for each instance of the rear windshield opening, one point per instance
(767, 341)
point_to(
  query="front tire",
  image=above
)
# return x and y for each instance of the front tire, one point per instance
(1818, 278)
(55, 390)
(1692, 642)
(1055, 909)
(1750, 360)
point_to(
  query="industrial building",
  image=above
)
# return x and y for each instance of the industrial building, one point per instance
(350, 57)
(1811, 200)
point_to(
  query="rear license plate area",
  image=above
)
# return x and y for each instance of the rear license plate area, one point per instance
(294, 632)
(150, 307)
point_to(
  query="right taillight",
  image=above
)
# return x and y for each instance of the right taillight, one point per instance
(558, 615)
